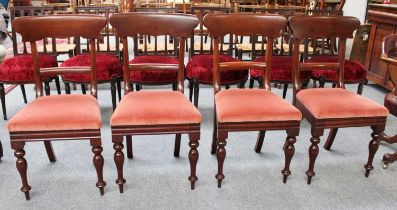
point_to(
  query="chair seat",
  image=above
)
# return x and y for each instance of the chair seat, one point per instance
(155, 108)
(253, 105)
(330, 103)
(354, 71)
(391, 103)
(19, 69)
(57, 113)
(108, 67)
(200, 67)
(281, 69)
(154, 76)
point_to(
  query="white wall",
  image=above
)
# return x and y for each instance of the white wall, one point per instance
(355, 8)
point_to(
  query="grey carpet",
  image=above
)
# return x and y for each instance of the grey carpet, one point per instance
(157, 180)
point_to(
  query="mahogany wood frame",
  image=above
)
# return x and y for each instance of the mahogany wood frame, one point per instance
(323, 27)
(389, 53)
(33, 29)
(247, 25)
(131, 25)
(26, 11)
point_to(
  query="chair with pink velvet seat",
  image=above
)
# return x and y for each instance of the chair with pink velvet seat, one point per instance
(58, 117)
(332, 108)
(234, 108)
(159, 111)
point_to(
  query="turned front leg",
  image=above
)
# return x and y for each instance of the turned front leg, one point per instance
(373, 147)
(98, 163)
(193, 157)
(221, 155)
(119, 160)
(289, 151)
(22, 167)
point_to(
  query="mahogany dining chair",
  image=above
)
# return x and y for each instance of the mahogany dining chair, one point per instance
(332, 107)
(58, 117)
(232, 112)
(158, 111)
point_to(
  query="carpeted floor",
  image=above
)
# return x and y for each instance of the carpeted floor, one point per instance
(158, 180)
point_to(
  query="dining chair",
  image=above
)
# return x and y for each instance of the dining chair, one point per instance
(109, 70)
(232, 112)
(158, 111)
(157, 49)
(199, 69)
(19, 68)
(58, 117)
(332, 108)
(389, 53)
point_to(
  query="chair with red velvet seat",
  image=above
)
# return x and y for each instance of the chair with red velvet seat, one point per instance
(389, 55)
(199, 69)
(159, 111)
(109, 68)
(19, 68)
(58, 117)
(232, 112)
(355, 72)
(332, 108)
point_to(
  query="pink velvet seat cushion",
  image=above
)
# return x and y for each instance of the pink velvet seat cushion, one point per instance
(154, 76)
(253, 105)
(354, 71)
(155, 108)
(108, 67)
(57, 113)
(328, 103)
(19, 69)
(281, 69)
(200, 67)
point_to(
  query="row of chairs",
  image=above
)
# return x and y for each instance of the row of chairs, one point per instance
(170, 112)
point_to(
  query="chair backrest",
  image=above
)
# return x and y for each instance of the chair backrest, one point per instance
(310, 27)
(107, 33)
(219, 25)
(33, 29)
(22, 11)
(153, 24)
(389, 55)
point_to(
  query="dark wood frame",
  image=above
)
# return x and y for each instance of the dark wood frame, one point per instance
(389, 53)
(132, 25)
(26, 11)
(247, 25)
(33, 29)
(322, 27)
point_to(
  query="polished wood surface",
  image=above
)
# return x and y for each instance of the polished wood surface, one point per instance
(384, 22)
(270, 27)
(154, 24)
(342, 28)
(33, 29)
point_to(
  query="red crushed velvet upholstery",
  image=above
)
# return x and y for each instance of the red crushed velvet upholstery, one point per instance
(200, 67)
(108, 67)
(329, 103)
(58, 112)
(354, 71)
(157, 107)
(253, 105)
(154, 76)
(391, 103)
(281, 69)
(19, 69)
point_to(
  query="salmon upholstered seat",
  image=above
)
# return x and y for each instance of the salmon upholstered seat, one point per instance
(154, 76)
(155, 108)
(58, 112)
(253, 105)
(328, 103)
